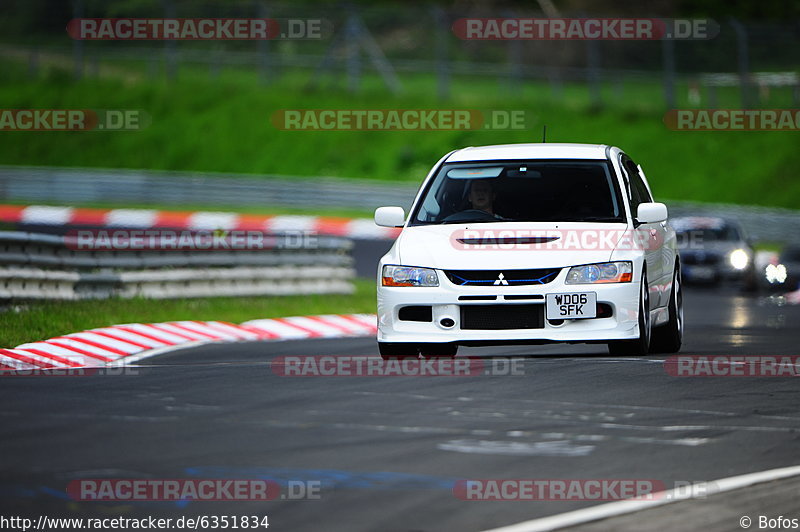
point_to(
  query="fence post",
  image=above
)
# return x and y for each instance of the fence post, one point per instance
(514, 57)
(442, 67)
(94, 65)
(33, 63)
(668, 55)
(743, 59)
(169, 44)
(352, 40)
(214, 63)
(593, 72)
(262, 50)
(77, 44)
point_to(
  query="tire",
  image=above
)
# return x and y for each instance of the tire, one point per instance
(398, 350)
(637, 346)
(668, 338)
(438, 350)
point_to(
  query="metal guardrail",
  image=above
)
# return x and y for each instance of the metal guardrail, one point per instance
(38, 266)
(45, 184)
(39, 184)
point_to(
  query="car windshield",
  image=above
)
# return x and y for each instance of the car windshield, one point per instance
(791, 255)
(718, 234)
(521, 191)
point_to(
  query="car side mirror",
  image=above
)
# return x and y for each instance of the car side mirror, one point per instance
(651, 213)
(390, 216)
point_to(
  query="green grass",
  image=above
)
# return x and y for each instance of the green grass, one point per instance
(30, 322)
(224, 125)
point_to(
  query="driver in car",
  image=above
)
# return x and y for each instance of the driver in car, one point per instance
(482, 196)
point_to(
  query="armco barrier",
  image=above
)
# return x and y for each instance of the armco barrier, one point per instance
(73, 185)
(30, 184)
(48, 217)
(38, 266)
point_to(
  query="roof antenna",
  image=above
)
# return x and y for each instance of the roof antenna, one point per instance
(544, 133)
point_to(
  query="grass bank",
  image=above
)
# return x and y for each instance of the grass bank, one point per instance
(225, 125)
(33, 321)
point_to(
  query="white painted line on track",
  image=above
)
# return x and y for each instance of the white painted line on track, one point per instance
(132, 359)
(617, 508)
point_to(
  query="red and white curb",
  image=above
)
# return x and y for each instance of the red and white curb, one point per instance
(210, 221)
(120, 344)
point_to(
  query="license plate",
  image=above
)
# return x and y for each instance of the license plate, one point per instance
(571, 306)
(702, 273)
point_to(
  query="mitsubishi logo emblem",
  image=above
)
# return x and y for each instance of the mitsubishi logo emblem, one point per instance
(501, 280)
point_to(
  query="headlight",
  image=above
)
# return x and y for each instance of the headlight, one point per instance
(776, 273)
(408, 276)
(605, 272)
(739, 259)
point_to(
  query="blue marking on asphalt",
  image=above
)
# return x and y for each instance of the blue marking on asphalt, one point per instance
(329, 478)
(55, 493)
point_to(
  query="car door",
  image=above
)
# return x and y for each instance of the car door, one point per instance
(654, 233)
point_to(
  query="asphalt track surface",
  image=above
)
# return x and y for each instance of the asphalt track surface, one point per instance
(387, 450)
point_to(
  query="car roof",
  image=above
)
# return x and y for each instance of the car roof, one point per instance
(685, 223)
(530, 151)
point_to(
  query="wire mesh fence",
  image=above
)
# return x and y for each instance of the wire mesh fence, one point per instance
(746, 62)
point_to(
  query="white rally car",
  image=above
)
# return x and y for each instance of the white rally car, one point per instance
(528, 244)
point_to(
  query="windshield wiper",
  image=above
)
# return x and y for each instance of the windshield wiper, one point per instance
(595, 219)
(472, 221)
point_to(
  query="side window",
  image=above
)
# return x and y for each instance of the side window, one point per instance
(640, 173)
(637, 181)
(634, 193)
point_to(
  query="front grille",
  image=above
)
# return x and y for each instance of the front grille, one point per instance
(501, 277)
(700, 259)
(498, 317)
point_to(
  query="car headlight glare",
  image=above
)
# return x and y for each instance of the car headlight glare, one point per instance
(739, 259)
(776, 273)
(605, 272)
(408, 276)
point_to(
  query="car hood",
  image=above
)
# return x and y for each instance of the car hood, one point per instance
(711, 248)
(517, 245)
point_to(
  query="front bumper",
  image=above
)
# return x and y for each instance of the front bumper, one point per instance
(623, 298)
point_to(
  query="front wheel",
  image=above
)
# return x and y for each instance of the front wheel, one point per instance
(669, 337)
(641, 345)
